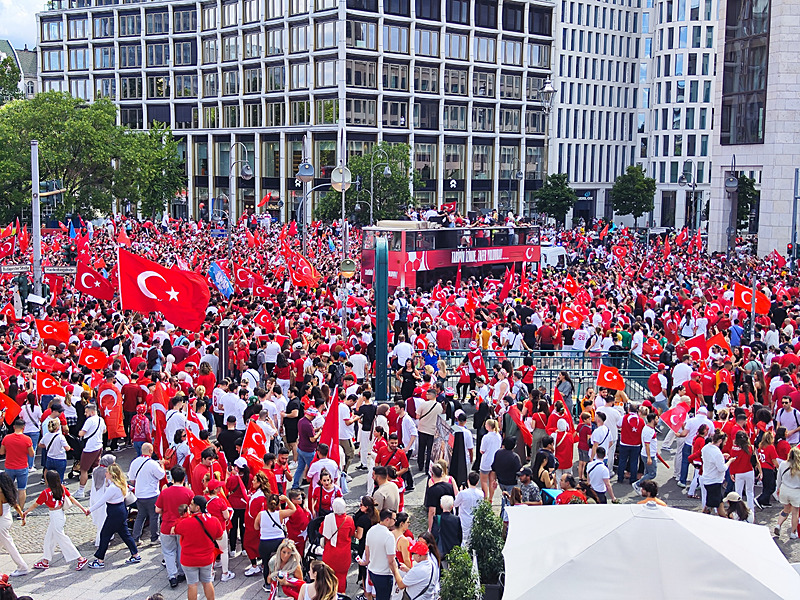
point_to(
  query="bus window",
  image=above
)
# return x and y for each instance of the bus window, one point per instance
(500, 237)
(532, 237)
(369, 240)
(411, 241)
(397, 241)
(426, 240)
(465, 239)
(447, 238)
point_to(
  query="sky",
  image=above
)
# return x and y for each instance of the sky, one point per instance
(18, 21)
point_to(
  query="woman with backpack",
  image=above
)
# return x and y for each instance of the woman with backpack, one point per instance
(55, 449)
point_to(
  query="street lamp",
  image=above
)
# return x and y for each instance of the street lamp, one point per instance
(682, 181)
(341, 179)
(227, 216)
(387, 172)
(547, 94)
(512, 175)
(246, 173)
(732, 189)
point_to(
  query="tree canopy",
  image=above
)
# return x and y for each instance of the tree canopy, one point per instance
(81, 144)
(10, 76)
(633, 193)
(392, 195)
(748, 199)
(555, 197)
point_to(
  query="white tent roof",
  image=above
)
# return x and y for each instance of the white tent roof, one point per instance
(640, 551)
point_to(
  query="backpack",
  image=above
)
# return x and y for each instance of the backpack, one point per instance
(152, 357)
(338, 373)
(402, 311)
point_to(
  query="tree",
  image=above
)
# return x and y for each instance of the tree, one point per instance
(392, 195)
(749, 198)
(633, 193)
(555, 197)
(486, 541)
(10, 76)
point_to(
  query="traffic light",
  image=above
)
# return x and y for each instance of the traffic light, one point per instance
(71, 253)
(791, 251)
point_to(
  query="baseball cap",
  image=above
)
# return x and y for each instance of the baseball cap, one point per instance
(525, 471)
(201, 502)
(702, 410)
(449, 392)
(661, 367)
(419, 547)
(240, 462)
(343, 354)
(473, 345)
(214, 484)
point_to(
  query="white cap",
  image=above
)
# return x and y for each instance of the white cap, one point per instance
(702, 410)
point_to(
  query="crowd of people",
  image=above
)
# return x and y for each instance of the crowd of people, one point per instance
(233, 456)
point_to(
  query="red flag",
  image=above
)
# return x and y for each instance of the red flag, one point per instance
(619, 251)
(719, 340)
(743, 296)
(90, 282)
(330, 430)
(245, 278)
(8, 311)
(7, 370)
(476, 360)
(681, 238)
(697, 347)
(507, 285)
(293, 228)
(6, 231)
(53, 330)
(123, 239)
(451, 315)
(676, 417)
(448, 207)
(24, 239)
(515, 415)
(569, 317)
(652, 347)
(776, 257)
(604, 232)
(196, 445)
(7, 247)
(12, 408)
(254, 445)
(93, 358)
(145, 286)
(42, 361)
(109, 402)
(609, 377)
(437, 293)
(666, 248)
(301, 271)
(571, 285)
(46, 384)
(264, 320)
(251, 241)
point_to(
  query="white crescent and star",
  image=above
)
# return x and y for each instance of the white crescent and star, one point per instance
(48, 329)
(141, 281)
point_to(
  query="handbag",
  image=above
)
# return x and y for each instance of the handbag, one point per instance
(130, 499)
(217, 551)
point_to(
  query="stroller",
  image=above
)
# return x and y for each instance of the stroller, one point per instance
(313, 549)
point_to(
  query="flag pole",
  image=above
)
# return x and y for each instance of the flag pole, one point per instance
(753, 310)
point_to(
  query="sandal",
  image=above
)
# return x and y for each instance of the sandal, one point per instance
(41, 565)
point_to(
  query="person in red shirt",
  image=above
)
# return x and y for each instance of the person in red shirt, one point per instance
(564, 447)
(694, 390)
(338, 530)
(768, 459)
(570, 494)
(199, 534)
(630, 446)
(205, 467)
(741, 469)
(219, 507)
(17, 447)
(167, 505)
(584, 432)
(782, 447)
(393, 455)
(297, 523)
(708, 383)
(444, 340)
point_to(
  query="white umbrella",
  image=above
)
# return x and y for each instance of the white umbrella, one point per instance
(640, 551)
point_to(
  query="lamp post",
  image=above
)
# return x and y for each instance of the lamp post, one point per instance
(547, 94)
(227, 216)
(246, 174)
(732, 189)
(682, 181)
(305, 173)
(387, 172)
(341, 179)
(517, 175)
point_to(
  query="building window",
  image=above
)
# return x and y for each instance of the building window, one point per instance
(185, 21)
(230, 14)
(104, 57)
(426, 79)
(483, 84)
(78, 29)
(361, 35)
(300, 112)
(275, 42)
(326, 35)
(230, 83)
(395, 77)
(298, 7)
(210, 118)
(252, 81)
(360, 112)
(485, 49)
(426, 42)
(157, 23)
(539, 56)
(130, 25)
(457, 11)
(52, 31)
(326, 4)
(512, 52)
(252, 45)
(425, 9)
(157, 55)
(230, 115)
(535, 122)
(426, 115)
(455, 82)
(103, 27)
(395, 113)
(397, 7)
(455, 46)
(532, 87)
(486, 13)
(327, 111)
(483, 118)
(210, 85)
(395, 39)
(455, 117)
(79, 88)
(298, 38)
(511, 87)
(230, 48)
(276, 114)
(299, 76)
(130, 88)
(158, 86)
(276, 9)
(482, 163)
(78, 59)
(209, 17)
(131, 117)
(510, 120)
(513, 17)
(540, 21)
(361, 73)
(105, 87)
(326, 73)
(209, 51)
(183, 54)
(276, 78)
(186, 86)
(252, 117)
(53, 85)
(425, 162)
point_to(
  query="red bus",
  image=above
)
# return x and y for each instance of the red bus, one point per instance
(421, 253)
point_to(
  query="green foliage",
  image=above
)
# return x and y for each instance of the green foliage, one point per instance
(486, 540)
(10, 76)
(458, 582)
(80, 144)
(749, 197)
(633, 193)
(555, 197)
(392, 195)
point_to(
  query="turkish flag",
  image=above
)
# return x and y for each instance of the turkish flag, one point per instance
(666, 248)
(145, 286)
(109, 402)
(8, 311)
(24, 239)
(652, 347)
(450, 314)
(476, 360)
(245, 278)
(7, 370)
(263, 319)
(123, 239)
(609, 377)
(12, 408)
(53, 330)
(261, 291)
(697, 347)
(448, 207)
(438, 294)
(46, 384)
(330, 429)
(90, 282)
(301, 271)
(604, 232)
(719, 340)
(507, 285)
(254, 446)
(570, 317)
(776, 257)
(93, 358)
(619, 251)
(681, 238)
(743, 298)
(7, 231)
(196, 445)
(570, 285)
(515, 415)
(676, 417)
(7, 247)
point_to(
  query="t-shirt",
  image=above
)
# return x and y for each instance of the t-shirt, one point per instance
(46, 498)
(420, 580)
(16, 445)
(427, 414)
(766, 457)
(228, 438)
(168, 501)
(197, 549)
(55, 445)
(367, 413)
(381, 544)
(602, 437)
(94, 427)
(305, 431)
(649, 436)
(597, 473)
(490, 444)
(506, 465)
(131, 392)
(434, 493)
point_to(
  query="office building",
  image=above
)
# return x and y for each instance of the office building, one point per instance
(458, 80)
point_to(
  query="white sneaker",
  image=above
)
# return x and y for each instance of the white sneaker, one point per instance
(234, 553)
(792, 536)
(32, 470)
(79, 494)
(227, 576)
(20, 572)
(252, 570)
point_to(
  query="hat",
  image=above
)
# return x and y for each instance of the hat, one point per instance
(461, 416)
(561, 425)
(326, 353)
(312, 411)
(695, 373)
(733, 497)
(473, 345)
(240, 462)
(201, 502)
(215, 484)
(525, 471)
(342, 354)
(297, 345)
(419, 547)
(449, 392)
(661, 367)
(702, 410)
(647, 403)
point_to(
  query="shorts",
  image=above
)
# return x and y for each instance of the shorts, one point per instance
(89, 460)
(195, 575)
(583, 455)
(787, 496)
(20, 476)
(713, 495)
(485, 472)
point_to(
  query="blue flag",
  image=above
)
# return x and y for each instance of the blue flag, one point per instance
(72, 233)
(331, 245)
(220, 279)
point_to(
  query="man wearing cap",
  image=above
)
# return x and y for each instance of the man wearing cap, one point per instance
(530, 492)
(657, 384)
(200, 534)
(420, 581)
(146, 475)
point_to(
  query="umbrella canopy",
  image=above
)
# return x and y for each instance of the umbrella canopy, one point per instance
(640, 550)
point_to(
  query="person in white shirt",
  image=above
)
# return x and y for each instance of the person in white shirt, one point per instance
(322, 463)
(637, 343)
(714, 467)
(175, 418)
(682, 372)
(613, 422)
(403, 350)
(380, 555)
(466, 501)
(347, 430)
(232, 404)
(601, 436)
(360, 364)
(92, 434)
(146, 474)
(649, 450)
(688, 434)
(599, 475)
(789, 417)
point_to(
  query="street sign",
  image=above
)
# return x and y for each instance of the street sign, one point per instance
(64, 270)
(15, 268)
(219, 233)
